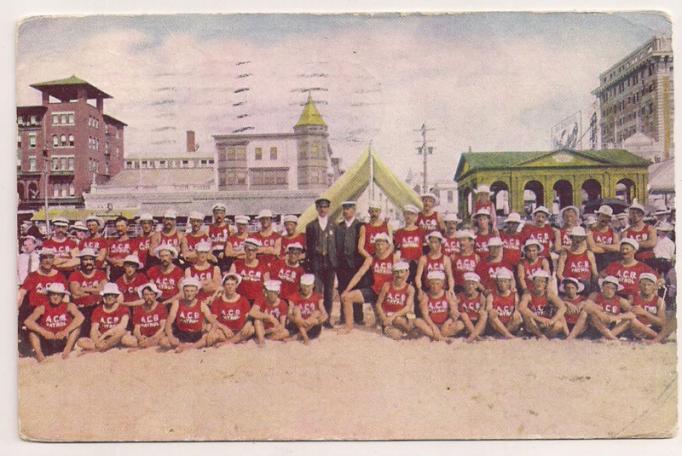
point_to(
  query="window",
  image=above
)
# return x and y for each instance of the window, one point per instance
(143, 164)
(63, 118)
(72, 141)
(34, 120)
(71, 164)
(55, 190)
(259, 153)
(32, 140)
(72, 190)
(64, 165)
(64, 143)
(163, 164)
(273, 153)
(450, 196)
(55, 119)
(55, 164)
(32, 164)
(314, 150)
(210, 162)
(18, 140)
(72, 119)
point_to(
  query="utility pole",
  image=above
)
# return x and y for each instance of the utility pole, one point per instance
(423, 150)
(46, 170)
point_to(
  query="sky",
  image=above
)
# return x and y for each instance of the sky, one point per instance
(485, 81)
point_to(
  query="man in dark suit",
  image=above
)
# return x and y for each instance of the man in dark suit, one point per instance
(349, 258)
(321, 259)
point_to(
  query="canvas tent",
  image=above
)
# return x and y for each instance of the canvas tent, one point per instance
(355, 180)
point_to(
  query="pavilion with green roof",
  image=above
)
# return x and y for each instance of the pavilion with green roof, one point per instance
(569, 177)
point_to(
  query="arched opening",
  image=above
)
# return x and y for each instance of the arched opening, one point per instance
(21, 191)
(591, 190)
(563, 194)
(500, 197)
(469, 199)
(32, 191)
(625, 190)
(533, 195)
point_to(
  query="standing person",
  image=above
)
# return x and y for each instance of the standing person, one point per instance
(484, 231)
(664, 252)
(27, 260)
(349, 258)
(434, 260)
(487, 268)
(439, 318)
(542, 311)
(577, 261)
(149, 319)
(472, 306)
(466, 260)
(166, 275)
(321, 254)
(66, 249)
(540, 230)
(511, 238)
(94, 240)
(271, 241)
(429, 219)
(451, 245)
(602, 239)
(381, 267)
(290, 235)
(219, 233)
(641, 232)
(185, 326)
(306, 310)
(234, 247)
(119, 247)
(131, 280)
(78, 231)
(628, 269)
(144, 242)
(229, 316)
(502, 306)
(288, 271)
(483, 202)
(531, 263)
(269, 313)
(409, 240)
(108, 323)
(251, 270)
(85, 284)
(206, 273)
(194, 236)
(608, 313)
(570, 215)
(56, 324)
(377, 224)
(169, 235)
(648, 306)
(395, 301)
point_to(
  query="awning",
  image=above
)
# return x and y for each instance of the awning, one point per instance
(355, 180)
(72, 214)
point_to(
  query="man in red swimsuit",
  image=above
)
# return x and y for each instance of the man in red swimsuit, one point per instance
(95, 240)
(229, 315)
(271, 241)
(66, 249)
(395, 301)
(628, 269)
(306, 310)
(269, 313)
(149, 319)
(440, 317)
(166, 275)
(185, 326)
(109, 323)
(429, 220)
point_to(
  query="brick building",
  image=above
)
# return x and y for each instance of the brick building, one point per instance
(70, 133)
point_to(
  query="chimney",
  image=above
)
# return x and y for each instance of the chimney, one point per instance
(191, 145)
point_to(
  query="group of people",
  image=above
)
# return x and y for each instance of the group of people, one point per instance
(436, 276)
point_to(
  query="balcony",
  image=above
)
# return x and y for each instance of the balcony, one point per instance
(62, 172)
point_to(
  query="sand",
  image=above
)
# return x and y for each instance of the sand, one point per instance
(357, 386)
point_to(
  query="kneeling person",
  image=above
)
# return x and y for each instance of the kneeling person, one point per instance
(270, 314)
(229, 316)
(440, 318)
(395, 301)
(185, 324)
(306, 310)
(149, 319)
(57, 323)
(109, 323)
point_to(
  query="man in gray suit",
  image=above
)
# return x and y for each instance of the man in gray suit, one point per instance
(349, 258)
(321, 258)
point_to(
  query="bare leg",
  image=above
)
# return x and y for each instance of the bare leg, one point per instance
(86, 344)
(109, 342)
(531, 325)
(579, 327)
(71, 341)
(597, 323)
(260, 332)
(557, 328)
(128, 340)
(479, 327)
(452, 328)
(669, 328)
(620, 327)
(642, 331)
(245, 334)
(498, 326)
(423, 327)
(35, 343)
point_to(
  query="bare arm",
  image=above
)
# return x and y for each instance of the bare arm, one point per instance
(561, 264)
(361, 243)
(380, 300)
(358, 275)
(32, 323)
(420, 271)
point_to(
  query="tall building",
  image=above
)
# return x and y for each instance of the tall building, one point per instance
(636, 96)
(288, 161)
(68, 140)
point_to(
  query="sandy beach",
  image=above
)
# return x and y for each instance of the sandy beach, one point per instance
(359, 386)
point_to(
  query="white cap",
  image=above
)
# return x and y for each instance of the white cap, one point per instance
(541, 209)
(196, 215)
(533, 242)
(241, 219)
(471, 277)
(57, 288)
(428, 195)
(80, 226)
(504, 273)
(289, 219)
(60, 221)
(578, 231)
(482, 211)
(110, 288)
(590, 219)
(610, 279)
(133, 259)
(146, 217)
(450, 217)
(87, 252)
(605, 209)
(665, 226)
(374, 205)
(435, 234)
(577, 211)
(435, 275)
(495, 241)
(401, 266)
(272, 285)
(47, 251)
(482, 189)
(169, 247)
(253, 241)
(465, 234)
(93, 218)
(540, 273)
(233, 275)
(513, 217)
(219, 207)
(190, 281)
(308, 279)
(637, 206)
(648, 276)
(265, 213)
(574, 281)
(294, 245)
(349, 203)
(152, 286)
(382, 237)
(202, 246)
(170, 213)
(411, 208)
(632, 242)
